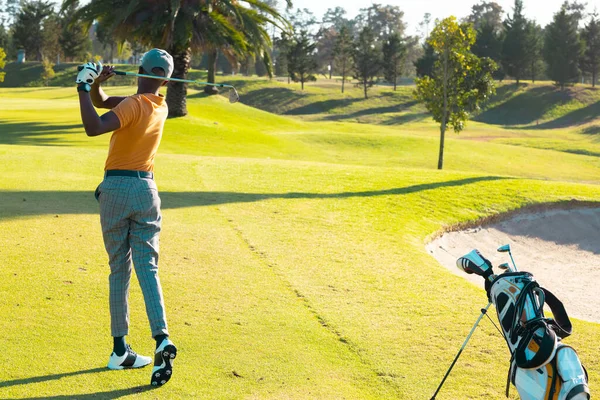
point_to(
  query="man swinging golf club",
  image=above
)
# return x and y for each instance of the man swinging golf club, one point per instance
(129, 203)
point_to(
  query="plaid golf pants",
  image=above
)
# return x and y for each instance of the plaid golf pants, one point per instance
(130, 218)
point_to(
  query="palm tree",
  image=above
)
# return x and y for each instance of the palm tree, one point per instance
(237, 28)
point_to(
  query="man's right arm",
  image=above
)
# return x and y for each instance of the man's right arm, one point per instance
(101, 99)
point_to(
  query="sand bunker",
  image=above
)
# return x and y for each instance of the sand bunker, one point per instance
(561, 248)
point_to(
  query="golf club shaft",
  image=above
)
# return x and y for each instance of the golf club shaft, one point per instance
(171, 79)
(483, 312)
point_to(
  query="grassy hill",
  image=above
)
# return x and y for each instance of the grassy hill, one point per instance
(293, 258)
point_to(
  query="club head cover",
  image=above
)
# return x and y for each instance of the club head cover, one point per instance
(475, 263)
(88, 72)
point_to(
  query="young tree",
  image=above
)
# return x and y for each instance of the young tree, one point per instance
(367, 59)
(343, 50)
(460, 81)
(590, 62)
(562, 47)
(47, 70)
(301, 59)
(515, 54)
(27, 30)
(394, 51)
(2, 63)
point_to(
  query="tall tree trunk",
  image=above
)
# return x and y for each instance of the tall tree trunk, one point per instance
(177, 91)
(365, 88)
(302, 81)
(594, 77)
(395, 76)
(213, 56)
(444, 113)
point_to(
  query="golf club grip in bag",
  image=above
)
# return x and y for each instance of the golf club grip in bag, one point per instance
(541, 367)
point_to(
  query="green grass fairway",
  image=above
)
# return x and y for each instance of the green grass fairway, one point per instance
(293, 255)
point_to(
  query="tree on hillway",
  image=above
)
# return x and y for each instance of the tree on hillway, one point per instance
(2, 63)
(74, 39)
(424, 65)
(301, 59)
(488, 43)
(534, 37)
(27, 30)
(367, 59)
(460, 82)
(52, 32)
(563, 48)
(515, 54)
(343, 50)
(325, 40)
(590, 62)
(382, 20)
(394, 51)
(486, 13)
(281, 49)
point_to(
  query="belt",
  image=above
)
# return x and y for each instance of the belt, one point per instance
(133, 174)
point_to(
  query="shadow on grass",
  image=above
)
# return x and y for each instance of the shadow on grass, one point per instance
(524, 108)
(577, 117)
(275, 100)
(33, 133)
(53, 377)
(111, 394)
(21, 204)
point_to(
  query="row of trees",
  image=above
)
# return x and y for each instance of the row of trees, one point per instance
(42, 32)
(564, 51)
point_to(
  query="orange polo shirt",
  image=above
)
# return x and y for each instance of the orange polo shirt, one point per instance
(134, 145)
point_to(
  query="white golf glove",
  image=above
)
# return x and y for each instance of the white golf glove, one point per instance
(88, 72)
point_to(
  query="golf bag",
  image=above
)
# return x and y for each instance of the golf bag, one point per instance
(541, 366)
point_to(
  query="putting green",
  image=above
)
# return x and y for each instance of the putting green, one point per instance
(293, 258)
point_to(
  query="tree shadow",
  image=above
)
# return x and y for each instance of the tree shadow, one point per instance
(524, 108)
(273, 100)
(591, 130)
(30, 203)
(396, 108)
(323, 107)
(34, 133)
(579, 116)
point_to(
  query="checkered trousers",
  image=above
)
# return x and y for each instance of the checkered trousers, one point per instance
(131, 219)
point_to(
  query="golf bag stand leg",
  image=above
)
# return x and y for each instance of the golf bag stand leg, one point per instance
(483, 312)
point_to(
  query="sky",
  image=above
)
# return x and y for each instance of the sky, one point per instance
(539, 10)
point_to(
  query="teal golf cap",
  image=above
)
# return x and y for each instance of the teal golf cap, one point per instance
(157, 58)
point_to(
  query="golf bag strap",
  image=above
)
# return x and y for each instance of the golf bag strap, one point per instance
(561, 323)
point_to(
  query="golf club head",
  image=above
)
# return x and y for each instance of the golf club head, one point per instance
(504, 249)
(504, 266)
(475, 263)
(234, 97)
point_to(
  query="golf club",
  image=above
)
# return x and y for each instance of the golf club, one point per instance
(506, 249)
(234, 97)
